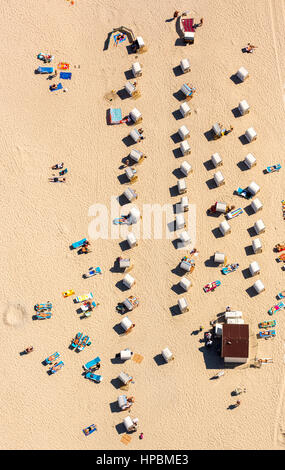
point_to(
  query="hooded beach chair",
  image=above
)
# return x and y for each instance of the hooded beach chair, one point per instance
(242, 74)
(187, 91)
(126, 354)
(128, 281)
(250, 160)
(216, 160)
(219, 178)
(136, 115)
(131, 303)
(134, 216)
(130, 424)
(180, 221)
(243, 107)
(220, 258)
(256, 246)
(167, 355)
(185, 65)
(123, 402)
(183, 132)
(225, 228)
(131, 240)
(259, 227)
(130, 194)
(185, 147)
(254, 268)
(184, 238)
(136, 69)
(131, 174)
(185, 109)
(183, 305)
(253, 188)
(250, 134)
(186, 168)
(184, 204)
(181, 186)
(187, 264)
(217, 131)
(136, 155)
(135, 135)
(256, 205)
(125, 378)
(185, 283)
(126, 324)
(258, 286)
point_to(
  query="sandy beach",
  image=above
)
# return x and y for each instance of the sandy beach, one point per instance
(177, 404)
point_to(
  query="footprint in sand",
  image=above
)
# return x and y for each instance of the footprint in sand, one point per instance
(13, 314)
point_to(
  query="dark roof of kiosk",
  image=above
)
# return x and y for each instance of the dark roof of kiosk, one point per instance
(235, 342)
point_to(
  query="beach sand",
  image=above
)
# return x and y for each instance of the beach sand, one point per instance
(177, 404)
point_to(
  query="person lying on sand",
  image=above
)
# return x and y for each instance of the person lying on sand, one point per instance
(250, 47)
(29, 349)
(58, 166)
(57, 180)
(53, 87)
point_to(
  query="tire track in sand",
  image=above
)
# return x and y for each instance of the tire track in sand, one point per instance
(277, 18)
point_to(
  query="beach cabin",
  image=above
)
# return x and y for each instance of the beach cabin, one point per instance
(250, 160)
(185, 283)
(219, 178)
(130, 194)
(136, 69)
(259, 226)
(220, 258)
(253, 188)
(130, 424)
(128, 281)
(185, 109)
(186, 168)
(184, 132)
(216, 160)
(256, 205)
(136, 115)
(134, 215)
(184, 238)
(250, 134)
(235, 343)
(167, 355)
(131, 239)
(185, 148)
(180, 221)
(185, 65)
(259, 286)
(135, 135)
(254, 268)
(181, 186)
(242, 74)
(126, 354)
(183, 305)
(243, 107)
(131, 174)
(257, 246)
(136, 155)
(126, 324)
(225, 228)
(184, 204)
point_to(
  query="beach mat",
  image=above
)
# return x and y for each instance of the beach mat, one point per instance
(65, 75)
(126, 439)
(137, 358)
(59, 87)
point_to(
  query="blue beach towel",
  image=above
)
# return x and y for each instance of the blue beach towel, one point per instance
(65, 75)
(59, 87)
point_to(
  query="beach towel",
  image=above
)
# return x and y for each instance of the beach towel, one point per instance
(272, 168)
(137, 358)
(63, 172)
(126, 439)
(79, 243)
(87, 431)
(65, 75)
(63, 66)
(59, 87)
(45, 69)
(115, 116)
(234, 213)
(94, 377)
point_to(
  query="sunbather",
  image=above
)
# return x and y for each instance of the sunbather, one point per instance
(250, 47)
(53, 87)
(57, 180)
(29, 349)
(58, 166)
